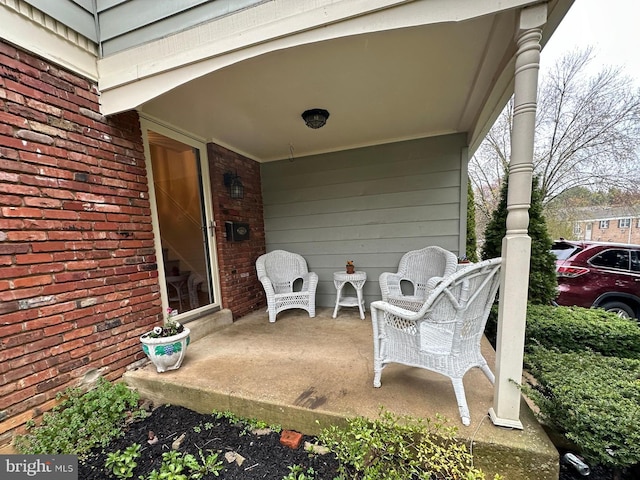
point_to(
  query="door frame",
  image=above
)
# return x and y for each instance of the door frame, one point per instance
(149, 123)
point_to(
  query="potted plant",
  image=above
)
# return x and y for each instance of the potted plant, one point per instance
(166, 346)
(350, 267)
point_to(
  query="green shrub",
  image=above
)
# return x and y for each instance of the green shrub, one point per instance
(472, 241)
(398, 448)
(543, 283)
(81, 421)
(592, 399)
(571, 329)
(575, 329)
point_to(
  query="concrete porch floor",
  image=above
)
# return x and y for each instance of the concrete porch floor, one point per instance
(306, 373)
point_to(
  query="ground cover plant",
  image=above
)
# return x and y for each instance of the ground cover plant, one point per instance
(117, 439)
(396, 447)
(82, 420)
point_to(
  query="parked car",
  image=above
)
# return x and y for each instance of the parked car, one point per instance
(594, 274)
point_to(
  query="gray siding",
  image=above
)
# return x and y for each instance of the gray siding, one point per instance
(128, 23)
(369, 205)
(75, 14)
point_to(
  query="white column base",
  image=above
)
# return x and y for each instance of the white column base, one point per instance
(504, 422)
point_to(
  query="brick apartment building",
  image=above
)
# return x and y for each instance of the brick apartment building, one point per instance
(607, 224)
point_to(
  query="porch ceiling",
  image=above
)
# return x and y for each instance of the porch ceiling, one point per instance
(378, 87)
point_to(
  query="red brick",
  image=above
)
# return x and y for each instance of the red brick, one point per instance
(58, 193)
(20, 212)
(26, 236)
(15, 120)
(32, 281)
(13, 166)
(14, 272)
(17, 373)
(42, 202)
(10, 200)
(291, 439)
(59, 214)
(11, 224)
(18, 395)
(15, 248)
(33, 258)
(66, 347)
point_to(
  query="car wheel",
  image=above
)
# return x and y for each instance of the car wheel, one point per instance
(621, 309)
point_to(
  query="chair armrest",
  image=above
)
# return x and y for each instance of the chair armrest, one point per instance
(397, 311)
(432, 283)
(310, 282)
(268, 286)
(390, 285)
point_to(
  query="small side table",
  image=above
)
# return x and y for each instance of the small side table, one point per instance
(357, 280)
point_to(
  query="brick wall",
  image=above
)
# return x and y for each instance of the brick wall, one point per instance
(241, 291)
(78, 276)
(614, 233)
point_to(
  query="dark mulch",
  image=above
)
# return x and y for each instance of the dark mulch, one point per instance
(265, 457)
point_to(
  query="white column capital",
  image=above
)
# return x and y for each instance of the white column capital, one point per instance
(534, 16)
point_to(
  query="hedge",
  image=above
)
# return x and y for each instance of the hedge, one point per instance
(575, 329)
(592, 399)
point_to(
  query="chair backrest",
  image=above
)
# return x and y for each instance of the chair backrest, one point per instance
(420, 265)
(459, 305)
(281, 267)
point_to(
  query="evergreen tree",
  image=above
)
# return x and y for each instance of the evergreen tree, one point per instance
(542, 274)
(472, 246)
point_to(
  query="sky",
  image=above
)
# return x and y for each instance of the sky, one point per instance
(612, 27)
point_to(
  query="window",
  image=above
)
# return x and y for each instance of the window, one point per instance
(635, 261)
(624, 223)
(577, 230)
(604, 224)
(613, 258)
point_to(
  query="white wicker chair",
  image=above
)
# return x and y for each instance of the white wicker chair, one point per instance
(416, 268)
(278, 271)
(444, 335)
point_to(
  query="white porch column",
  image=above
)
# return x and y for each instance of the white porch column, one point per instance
(516, 245)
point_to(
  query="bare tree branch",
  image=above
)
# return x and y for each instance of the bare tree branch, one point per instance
(587, 131)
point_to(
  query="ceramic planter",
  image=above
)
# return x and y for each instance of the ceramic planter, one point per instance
(166, 353)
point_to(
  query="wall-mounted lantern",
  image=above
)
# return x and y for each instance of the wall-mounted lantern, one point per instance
(234, 185)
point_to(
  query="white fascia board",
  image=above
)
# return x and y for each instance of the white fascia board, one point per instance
(34, 37)
(266, 27)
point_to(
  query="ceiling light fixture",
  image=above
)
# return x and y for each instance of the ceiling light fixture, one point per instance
(315, 118)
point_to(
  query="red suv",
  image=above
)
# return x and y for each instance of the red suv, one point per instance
(604, 275)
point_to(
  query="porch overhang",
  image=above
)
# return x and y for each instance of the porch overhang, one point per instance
(386, 70)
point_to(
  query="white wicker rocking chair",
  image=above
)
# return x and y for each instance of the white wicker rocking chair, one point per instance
(278, 272)
(444, 335)
(416, 268)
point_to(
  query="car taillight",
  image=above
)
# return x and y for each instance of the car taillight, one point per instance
(571, 272)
